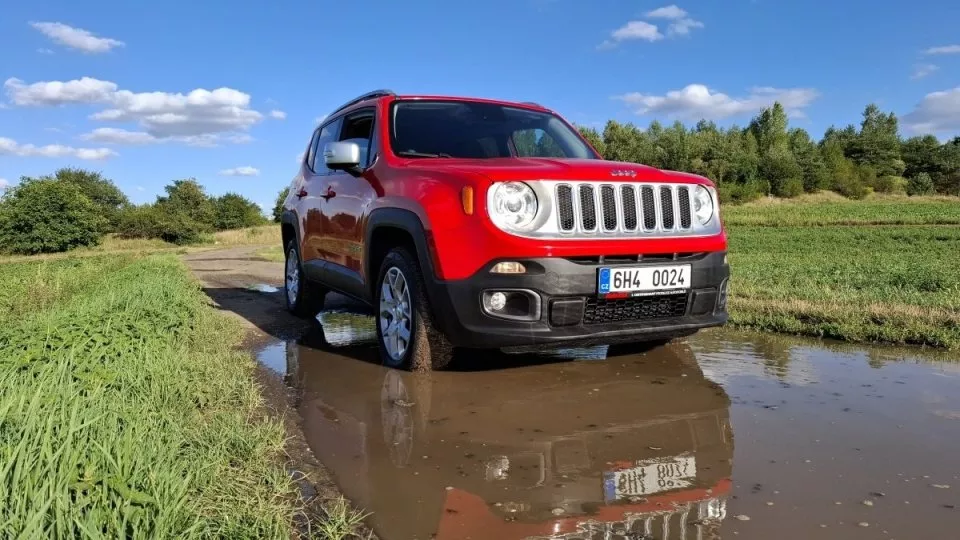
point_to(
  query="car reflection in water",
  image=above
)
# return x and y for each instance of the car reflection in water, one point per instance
(631, 447)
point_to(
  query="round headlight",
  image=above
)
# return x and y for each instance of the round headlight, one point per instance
(514, 205)
(702, 205)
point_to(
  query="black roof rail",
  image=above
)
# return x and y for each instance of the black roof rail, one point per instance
(534, 103)
(369, 95)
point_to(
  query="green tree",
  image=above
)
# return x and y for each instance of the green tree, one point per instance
(187, 197)
(878, 143)
(234, 211)
(810, 160)
(921, 184)
(843, 173)
(47, 216)
(278, 205)
(922, 155)
(102, 191)
(594, 138)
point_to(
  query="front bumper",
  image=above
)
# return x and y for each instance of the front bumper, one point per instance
(571, 312)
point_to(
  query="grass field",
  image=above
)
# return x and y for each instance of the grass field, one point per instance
(860, 271)
(128, 411)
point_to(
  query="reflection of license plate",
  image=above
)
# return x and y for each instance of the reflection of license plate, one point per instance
(643, 279)
(650, 476)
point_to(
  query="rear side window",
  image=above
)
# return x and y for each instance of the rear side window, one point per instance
(327, 133)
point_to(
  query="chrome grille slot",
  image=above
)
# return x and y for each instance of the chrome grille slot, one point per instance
(683, 197)
(649, 208)
(565, 207)
(622, 209)
(608, 204)
(628, 197)
(588, 208)
(666, 207)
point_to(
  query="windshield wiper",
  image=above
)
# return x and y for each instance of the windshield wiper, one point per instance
(413, 153)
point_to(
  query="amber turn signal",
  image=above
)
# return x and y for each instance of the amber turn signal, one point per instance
(466, 199)
(508, 267)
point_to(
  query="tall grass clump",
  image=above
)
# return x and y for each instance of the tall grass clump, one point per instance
(126, 411)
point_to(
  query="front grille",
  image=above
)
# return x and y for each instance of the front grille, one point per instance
(643, 308)
(634, 209)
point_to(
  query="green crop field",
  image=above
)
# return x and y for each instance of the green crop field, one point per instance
(128, 411)
(884, 271)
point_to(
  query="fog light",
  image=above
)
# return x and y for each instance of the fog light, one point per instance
(722, 296)
(508, 267)
(497, 301)
(515, 304)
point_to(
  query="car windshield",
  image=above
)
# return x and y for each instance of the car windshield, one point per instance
(471, 129)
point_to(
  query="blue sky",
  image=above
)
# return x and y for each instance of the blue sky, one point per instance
(151, 92)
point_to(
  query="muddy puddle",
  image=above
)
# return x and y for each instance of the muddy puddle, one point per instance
(724, 435)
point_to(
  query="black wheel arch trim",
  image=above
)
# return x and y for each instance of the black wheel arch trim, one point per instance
(290, 218)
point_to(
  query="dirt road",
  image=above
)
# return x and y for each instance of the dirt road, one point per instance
(723, 435)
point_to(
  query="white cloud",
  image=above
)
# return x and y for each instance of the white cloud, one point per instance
(240, 171)
(697, 101)
(4, 184)
(637, 30)
(76, 38)
(667, 12)
(44, 51)
(946, 49)
(198, 117)
(682, 27)
(922, 70)
(10, 147)
(278, 115)
(937, 113)
(123, 136)
(51, 93)
(679, 25)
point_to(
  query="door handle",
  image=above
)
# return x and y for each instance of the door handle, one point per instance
(302, 193)
(329, 194)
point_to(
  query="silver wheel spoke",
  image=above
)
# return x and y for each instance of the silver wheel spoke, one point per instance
(395, 313)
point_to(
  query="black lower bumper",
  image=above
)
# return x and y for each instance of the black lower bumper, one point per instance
(572, 313)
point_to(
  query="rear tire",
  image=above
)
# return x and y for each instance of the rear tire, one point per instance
(304, 298)
(406, 332)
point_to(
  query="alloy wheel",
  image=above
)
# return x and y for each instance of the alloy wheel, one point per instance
(395, 313)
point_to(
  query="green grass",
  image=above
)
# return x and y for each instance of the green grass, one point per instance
(798, 268)
(128, 411)
(272, 253)
(813, 211)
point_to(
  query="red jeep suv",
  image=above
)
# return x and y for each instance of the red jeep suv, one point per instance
(477, 223)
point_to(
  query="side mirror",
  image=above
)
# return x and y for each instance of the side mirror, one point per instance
(342, 156)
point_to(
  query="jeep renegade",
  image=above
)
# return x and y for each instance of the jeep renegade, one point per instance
(477, 223)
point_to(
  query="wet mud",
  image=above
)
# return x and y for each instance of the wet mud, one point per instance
(722, 435)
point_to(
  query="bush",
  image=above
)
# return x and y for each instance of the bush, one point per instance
(157, 221)
(890, 184)
(278, 205)
(103, 192)
(739, 193)
(48, 216)
(851, 187)
(236, 212)
(791, 187)
(920, 184)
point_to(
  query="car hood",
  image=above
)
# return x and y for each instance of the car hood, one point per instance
(506, 169)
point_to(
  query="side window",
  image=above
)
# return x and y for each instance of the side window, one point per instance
(328, 133)
(312, 150)
(358, 128)
(536, 143)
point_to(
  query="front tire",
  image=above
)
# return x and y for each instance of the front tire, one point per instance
(406, 333)
(304, 298)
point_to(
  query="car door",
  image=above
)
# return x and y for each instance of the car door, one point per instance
(345, 200)
(310, 195)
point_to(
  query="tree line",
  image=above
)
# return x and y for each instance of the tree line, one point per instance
(74, 207)
(767, 157)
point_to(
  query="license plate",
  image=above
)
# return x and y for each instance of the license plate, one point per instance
(649, 477)
(642, 280)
